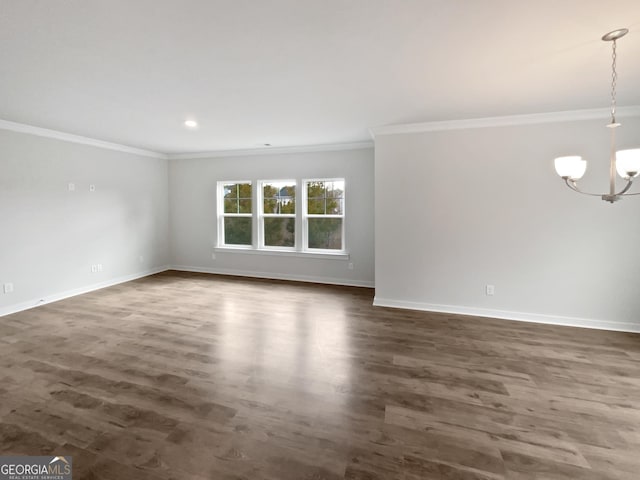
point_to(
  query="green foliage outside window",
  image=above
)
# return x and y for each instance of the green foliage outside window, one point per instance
(279, 232)
(325, 198)
(237, 200)
(279, 198)
(324, 216)
(237, 230)
(325, 233)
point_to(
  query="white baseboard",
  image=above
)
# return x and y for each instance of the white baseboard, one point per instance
(377, 301)
(508, 315)
(275, 276)
(18, 307)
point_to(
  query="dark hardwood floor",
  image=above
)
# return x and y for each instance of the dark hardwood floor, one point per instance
(192, 377)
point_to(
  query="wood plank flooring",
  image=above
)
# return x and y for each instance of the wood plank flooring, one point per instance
(192, 377)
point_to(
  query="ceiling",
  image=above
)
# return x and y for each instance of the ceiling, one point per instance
(301, 72)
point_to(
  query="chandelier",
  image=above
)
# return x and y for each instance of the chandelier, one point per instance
(625, 162)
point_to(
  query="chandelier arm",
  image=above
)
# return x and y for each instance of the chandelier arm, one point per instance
(574, 186)
(626, 188)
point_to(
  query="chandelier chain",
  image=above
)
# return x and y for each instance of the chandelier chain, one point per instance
(614, 78)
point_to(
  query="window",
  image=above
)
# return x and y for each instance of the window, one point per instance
(324, 220)
(283, 215)
(278, 221)
(235, 219)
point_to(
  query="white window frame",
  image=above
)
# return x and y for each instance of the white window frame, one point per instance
(306, 216)
(261, 216)
(222, 215)
(257, 246)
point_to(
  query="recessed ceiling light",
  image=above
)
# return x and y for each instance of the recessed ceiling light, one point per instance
(267, 144)
(190, 123)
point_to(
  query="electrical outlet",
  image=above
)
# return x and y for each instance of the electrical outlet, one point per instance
(213, 256)
(94, 268)
(71, 187)
(92, 188)
(99, 267)
(350, 266)
(8, 287)
(491, 289)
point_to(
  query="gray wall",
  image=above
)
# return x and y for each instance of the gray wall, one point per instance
(50, 236)
(193, 214)
(457, 210)
(454, 211)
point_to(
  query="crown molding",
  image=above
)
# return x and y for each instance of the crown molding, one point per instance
(68, 137)
(506, 121)
(272, 150)
(486, 122)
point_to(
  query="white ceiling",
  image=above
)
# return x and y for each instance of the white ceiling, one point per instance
(301, 72)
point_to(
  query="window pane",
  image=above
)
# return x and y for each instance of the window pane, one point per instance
(230, 205)
(325, 233)
(334, 206)
(316, 206)
(237, 230)
(279, 232)
(270, 205)
(230, 190)
(245, 205)
(335, 197)
(237, 198)
(244, 190)
(279, 197)
(316, 189)
(288, 206)
(335, 189)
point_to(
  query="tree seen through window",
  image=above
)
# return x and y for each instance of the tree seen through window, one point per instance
(279, 209)
(325, 210)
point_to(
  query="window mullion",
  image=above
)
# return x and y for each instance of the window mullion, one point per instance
(299, 206)
(301, 217)
(257, 212)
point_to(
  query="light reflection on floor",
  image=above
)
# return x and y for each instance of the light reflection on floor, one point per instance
(304, 343)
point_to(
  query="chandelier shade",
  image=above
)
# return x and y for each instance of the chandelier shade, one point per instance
(628, 163)
(572, 167)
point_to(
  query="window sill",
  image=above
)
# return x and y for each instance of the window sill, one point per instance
(283, 253)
